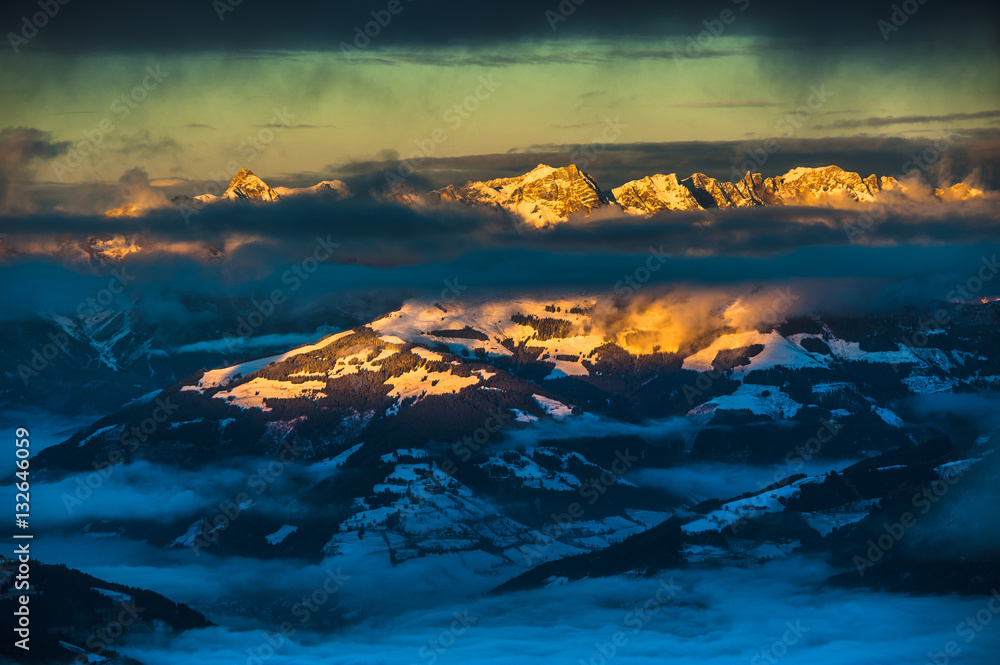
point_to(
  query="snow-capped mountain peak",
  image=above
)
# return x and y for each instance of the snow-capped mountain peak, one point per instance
(653, 194)
(335, 188)
(245, 186)
(543, 196)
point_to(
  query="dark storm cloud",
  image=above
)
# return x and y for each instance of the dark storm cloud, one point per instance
(614, 164)
(586, 54)
(383, 254)
(909, 119)
(383, 240)
(196, 25)
(385, 232)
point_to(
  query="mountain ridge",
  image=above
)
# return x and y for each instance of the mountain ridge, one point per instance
(460, 439)
(546, 195)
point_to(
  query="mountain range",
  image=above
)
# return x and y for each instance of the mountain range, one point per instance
(513, 444)
(546, 195)
(481, 445)
(543, 198)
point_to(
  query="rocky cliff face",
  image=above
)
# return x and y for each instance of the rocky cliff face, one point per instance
(828, 185)
(654, 194)
(543, 196)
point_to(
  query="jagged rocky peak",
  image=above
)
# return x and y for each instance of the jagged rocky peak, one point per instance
(246, 186)
(697, 192)
(712, 193)
(654, 194)
(545, 195)
(756, 190)
(810, 185)
(826, 185)
(563, 191)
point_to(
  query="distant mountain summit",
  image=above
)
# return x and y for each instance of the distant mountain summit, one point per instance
(336, 188)
(545, 195)
(245, 186)
(655, 194)
(959, 192)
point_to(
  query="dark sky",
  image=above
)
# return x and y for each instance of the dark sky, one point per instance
(190, 91)
(195, 25)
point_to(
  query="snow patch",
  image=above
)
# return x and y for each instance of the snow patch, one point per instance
(554, 408)
(251, 395)
(761, 400)
(282, 533)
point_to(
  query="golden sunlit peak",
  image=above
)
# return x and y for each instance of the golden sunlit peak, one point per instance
(247, 186)
(240, 176)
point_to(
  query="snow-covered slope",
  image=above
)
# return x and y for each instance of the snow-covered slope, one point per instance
(465, 435)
